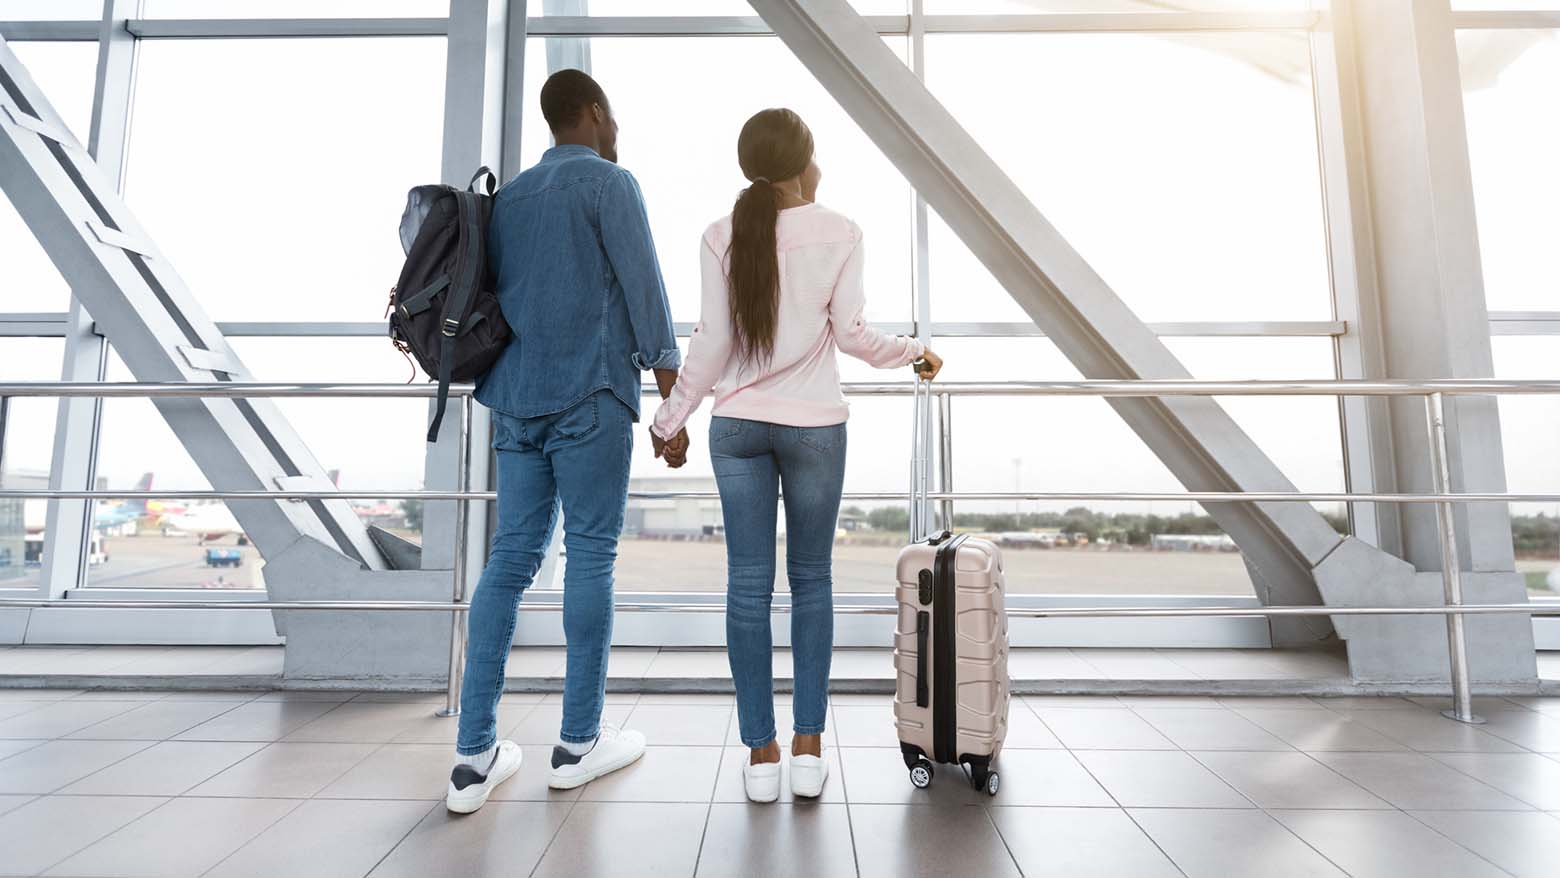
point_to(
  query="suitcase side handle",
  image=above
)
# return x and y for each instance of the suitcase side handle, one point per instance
(923, 630)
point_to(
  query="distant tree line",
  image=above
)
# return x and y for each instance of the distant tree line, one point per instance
(1531, 534)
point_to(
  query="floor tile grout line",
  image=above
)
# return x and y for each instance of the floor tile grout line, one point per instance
(709, 808)
(1455, 843)
(1006, 848)
(402, 840)
(251, 839)
(1432, 754)
(115, 831)
(70, 736)
(574, 805)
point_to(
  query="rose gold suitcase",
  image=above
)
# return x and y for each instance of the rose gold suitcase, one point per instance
(950, 645)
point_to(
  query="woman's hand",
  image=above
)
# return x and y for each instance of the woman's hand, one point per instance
(673, 451)
(928, 366)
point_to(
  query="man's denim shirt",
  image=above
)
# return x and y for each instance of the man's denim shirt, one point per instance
(579, 284)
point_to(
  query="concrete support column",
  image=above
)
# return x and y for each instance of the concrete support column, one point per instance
(1415, 294)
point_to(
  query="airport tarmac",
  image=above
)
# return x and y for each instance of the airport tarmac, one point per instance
(150, 560)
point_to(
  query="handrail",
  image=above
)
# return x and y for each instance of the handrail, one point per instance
(1189, 387)
(1119, 496)
(848, 609)
(1433, 392)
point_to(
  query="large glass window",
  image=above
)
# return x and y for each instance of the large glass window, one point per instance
(1183, 168)
(949, 7)
(1510, 82)
(49, 10)
(686, 159)
(1527, 429)
(164, 543)
(273, 173)
(710, 7)
(26, 453)
(65, 72)
(296, 8)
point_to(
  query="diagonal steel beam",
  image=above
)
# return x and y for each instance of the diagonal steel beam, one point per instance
(1194, 437)
(156, 325)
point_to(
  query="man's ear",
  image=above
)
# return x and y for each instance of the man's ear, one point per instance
(597, 114)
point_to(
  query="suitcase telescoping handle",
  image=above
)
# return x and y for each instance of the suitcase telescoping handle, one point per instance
(921, 525)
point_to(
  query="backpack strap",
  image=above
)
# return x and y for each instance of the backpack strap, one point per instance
(458, 302)
(489, 181)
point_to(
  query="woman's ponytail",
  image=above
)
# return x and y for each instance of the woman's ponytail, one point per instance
(774, 145)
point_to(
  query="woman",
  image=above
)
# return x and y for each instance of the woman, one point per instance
(782, 290)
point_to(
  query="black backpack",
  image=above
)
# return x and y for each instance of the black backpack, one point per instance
(444, 310)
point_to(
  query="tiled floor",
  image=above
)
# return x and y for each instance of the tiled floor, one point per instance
(96, 783)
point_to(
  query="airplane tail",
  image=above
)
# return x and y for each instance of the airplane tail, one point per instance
(138, 505)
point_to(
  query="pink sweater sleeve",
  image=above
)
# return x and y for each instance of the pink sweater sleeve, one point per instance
(851, 332)
(708, 349)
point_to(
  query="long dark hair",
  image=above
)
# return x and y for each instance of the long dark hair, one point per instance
(774, 145)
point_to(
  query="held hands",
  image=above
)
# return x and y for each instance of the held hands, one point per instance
(673, 451)
(928, 366)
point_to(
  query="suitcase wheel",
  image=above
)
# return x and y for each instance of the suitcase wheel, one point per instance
(921, 774)
(983, 779)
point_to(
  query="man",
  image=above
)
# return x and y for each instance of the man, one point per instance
(579, 283)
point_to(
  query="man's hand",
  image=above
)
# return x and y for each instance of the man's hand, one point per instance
(674, 451)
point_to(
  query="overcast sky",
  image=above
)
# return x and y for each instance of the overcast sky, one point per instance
(272, 174)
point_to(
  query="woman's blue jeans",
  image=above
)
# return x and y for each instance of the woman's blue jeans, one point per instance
(753, 462)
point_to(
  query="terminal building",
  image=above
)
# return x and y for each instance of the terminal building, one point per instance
(1250, 316)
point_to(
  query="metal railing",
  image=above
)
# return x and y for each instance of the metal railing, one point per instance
(1433, 393)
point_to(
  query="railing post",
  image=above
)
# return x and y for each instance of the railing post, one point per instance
(1451, 565)
(945, 456)
(458, 566)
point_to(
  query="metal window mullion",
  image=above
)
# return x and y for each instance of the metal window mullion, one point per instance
(78, 430)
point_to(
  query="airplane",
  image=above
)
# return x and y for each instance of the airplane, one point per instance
(125, 511)
(207, 521)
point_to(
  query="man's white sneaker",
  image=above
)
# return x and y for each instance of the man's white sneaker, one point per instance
(762, 781)
(614, 749)
(469, 789)
(808, 774)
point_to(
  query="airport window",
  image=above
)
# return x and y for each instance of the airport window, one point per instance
(1020, 7)
(26, 455)
(278, 198)
(686, 164)
(1183, 167)
(64, 71)
(1527, 429)
(49, 10)
(706, 7)
(1509, 82)
(166, 544)
(296, 8)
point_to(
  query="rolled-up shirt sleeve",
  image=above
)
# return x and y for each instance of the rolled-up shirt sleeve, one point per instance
(851, 333)
(708, 350)
(625, 235)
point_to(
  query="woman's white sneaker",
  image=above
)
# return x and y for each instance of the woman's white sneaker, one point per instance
(614, 749)
(469, 788)
(808, 774)
(762, 781)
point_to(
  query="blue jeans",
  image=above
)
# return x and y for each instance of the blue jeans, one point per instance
(753, 460)
(579, 456)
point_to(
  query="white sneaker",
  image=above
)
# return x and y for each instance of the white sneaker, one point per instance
(614, 748)
(469, 789)
(808, 774)
(762, 781)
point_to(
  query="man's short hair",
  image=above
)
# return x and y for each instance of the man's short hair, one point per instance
(566, 94)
